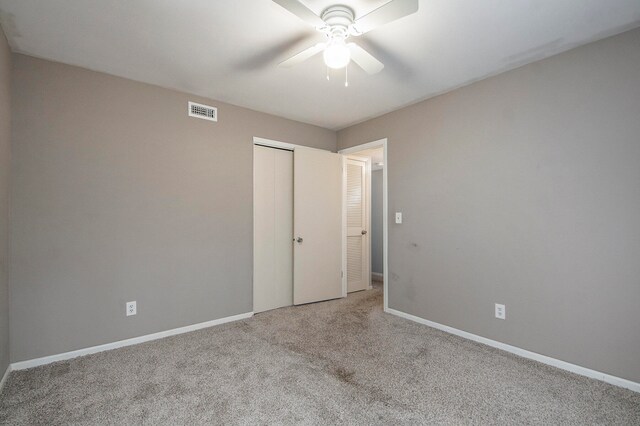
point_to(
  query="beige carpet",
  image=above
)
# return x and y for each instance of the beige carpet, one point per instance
(343, 361)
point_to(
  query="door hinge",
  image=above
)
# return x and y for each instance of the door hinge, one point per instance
(341, 274)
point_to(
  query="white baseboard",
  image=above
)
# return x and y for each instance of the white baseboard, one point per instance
(21, 365)
(376, 276)
(4, 378)
(583, 371)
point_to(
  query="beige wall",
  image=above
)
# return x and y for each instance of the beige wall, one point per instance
(524, 189)
(120, 196)
(5, 162)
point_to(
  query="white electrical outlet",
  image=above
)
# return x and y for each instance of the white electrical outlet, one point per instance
(131, 308)
(398, 217)
(501, 311)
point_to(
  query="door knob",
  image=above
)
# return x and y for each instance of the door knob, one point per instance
(364, 232)
(298, 240)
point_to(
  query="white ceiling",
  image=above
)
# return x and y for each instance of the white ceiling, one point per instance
(228, 50)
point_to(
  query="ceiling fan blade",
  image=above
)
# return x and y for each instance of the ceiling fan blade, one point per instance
(364, 59)
(302, 12)
(386, 13)
(303, 56)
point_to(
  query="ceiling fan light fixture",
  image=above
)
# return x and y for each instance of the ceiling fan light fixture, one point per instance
(337, 23)
(337, 54)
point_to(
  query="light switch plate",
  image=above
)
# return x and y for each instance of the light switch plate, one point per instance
(398, 217)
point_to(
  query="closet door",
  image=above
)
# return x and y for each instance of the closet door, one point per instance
(317, 225)
(273, 228)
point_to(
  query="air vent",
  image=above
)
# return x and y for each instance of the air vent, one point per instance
(205, 112)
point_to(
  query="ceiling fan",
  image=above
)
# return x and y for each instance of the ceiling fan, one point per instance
(338, 22)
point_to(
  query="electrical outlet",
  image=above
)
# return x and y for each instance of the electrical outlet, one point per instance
(398, 217)
(501, 311)
(131, 308)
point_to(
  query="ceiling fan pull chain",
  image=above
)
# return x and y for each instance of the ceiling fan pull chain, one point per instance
(346, 76)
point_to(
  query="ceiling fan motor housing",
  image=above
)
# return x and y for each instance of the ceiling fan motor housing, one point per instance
(338, 19)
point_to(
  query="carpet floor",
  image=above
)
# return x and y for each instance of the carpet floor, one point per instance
(343, 361)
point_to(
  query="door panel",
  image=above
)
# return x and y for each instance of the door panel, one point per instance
(357, 238)
(354, 262)
(318, 223)
(273, 229)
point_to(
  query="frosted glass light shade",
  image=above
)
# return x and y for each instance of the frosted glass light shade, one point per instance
(337, 55)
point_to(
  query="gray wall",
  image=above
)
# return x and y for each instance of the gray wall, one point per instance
(120, 196)
(376, 222)
(524, 189)
(5, 163)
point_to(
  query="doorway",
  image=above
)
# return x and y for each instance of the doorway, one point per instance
(364, 246)
(312, 245)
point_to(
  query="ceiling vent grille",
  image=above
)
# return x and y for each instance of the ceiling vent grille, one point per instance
(205, 112)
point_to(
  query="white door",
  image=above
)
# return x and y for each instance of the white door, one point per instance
(273, 228)
(357, 225)
(317, 214)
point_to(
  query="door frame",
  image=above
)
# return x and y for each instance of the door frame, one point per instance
(385, 218)
(274, 144)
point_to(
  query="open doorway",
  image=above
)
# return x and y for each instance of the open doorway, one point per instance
(365, 218)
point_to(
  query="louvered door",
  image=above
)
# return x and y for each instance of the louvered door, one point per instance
(357, 233)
